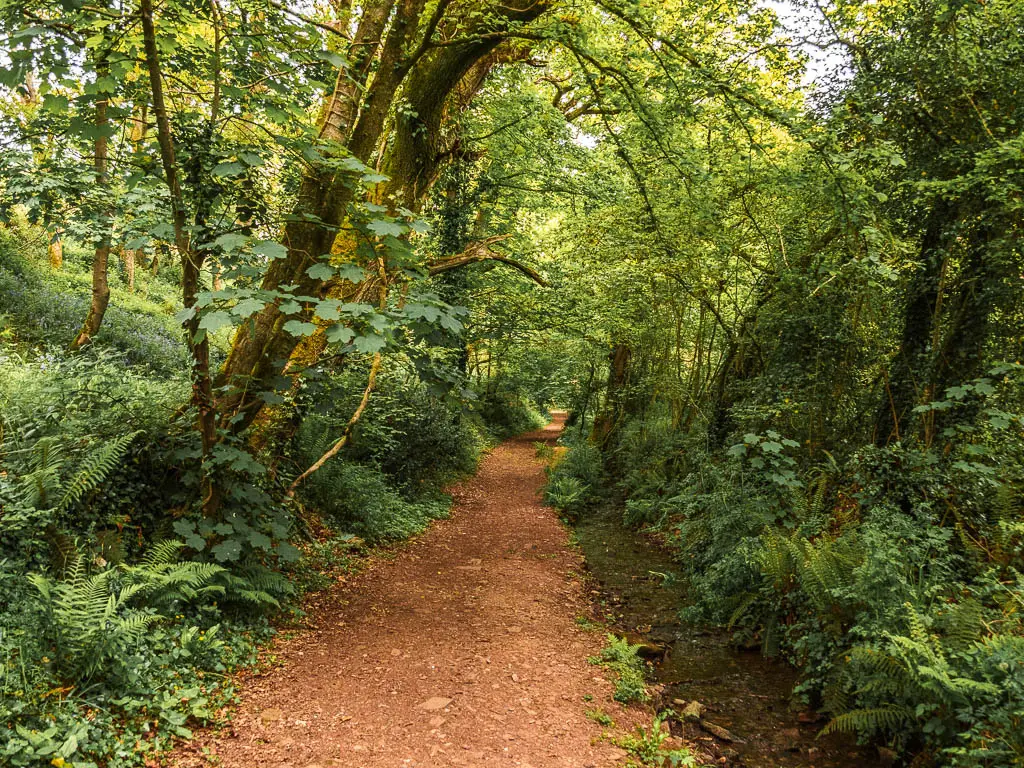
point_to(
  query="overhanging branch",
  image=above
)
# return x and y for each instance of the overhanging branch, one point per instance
(481, 251)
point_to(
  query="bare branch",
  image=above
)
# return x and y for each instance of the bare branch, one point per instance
(481, 251)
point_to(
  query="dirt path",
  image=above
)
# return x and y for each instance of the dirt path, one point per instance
(461, 650)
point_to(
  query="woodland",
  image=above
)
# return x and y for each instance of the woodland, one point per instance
(273, 274)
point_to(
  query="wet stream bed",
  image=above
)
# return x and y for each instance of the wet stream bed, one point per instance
(744, 693)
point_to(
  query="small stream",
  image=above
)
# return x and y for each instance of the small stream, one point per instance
(743, 692)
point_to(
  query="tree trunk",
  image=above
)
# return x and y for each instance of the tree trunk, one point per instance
(261, 348)
(911, 369)
(55, 250)
(960, 358)
(191, 265)
(128, 256)
(737, 366)
(101, 256)
(608, 421)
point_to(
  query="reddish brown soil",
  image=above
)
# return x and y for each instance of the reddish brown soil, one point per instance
(480, 610)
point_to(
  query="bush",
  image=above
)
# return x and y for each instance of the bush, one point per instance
(575, 481)
(630, 670)
(417, 439)
(889, 578)
(61, 413)
(94, 619)
(359, 499)
(108, 667)
(507, 409)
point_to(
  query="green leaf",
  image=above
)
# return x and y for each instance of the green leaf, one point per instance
(356, 309)
(332, 58)
(184, 315)
(299, 328)
(449, 323)
(53, 102)
(424, 311)
(984, 387)
(259, 540)
(351, 272)
(247, 307)
(383, 227)
(353, 164)
(328, 309)
(369, 343)
(214, 321)
(228, 550)
(339, 334)
(321, 272)
(270, 249)
(232, 241)
(228, 169)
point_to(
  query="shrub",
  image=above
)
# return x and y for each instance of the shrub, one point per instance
(507, 410)
(94, 619)
(630, 670)
(648, 745)
(576, 481)
(359, 499)
(417, 439)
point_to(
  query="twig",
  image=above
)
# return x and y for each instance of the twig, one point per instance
(345, 433)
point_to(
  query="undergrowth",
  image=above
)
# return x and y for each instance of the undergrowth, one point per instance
(891, 578)
(650, 747)
(629, 669)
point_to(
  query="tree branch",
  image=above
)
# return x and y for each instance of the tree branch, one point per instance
(345, 433)
(481, 251)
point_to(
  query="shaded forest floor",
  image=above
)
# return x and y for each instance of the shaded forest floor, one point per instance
(460, 649)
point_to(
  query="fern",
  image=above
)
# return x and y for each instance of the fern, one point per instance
(630, 670)
(94, 470)
(962, 624)
(256, 586)
(565, 493)
(95, 618)
(42, 480)
(869, 721)
(86, 619)
(824, 568)
(916, 676)
(809, 504)
(42, 483)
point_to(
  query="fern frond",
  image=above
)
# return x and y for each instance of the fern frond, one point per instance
(868, 721)
(95, 469)
(163, 553)
(746, 601)
(963, 624)
(43, 477)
